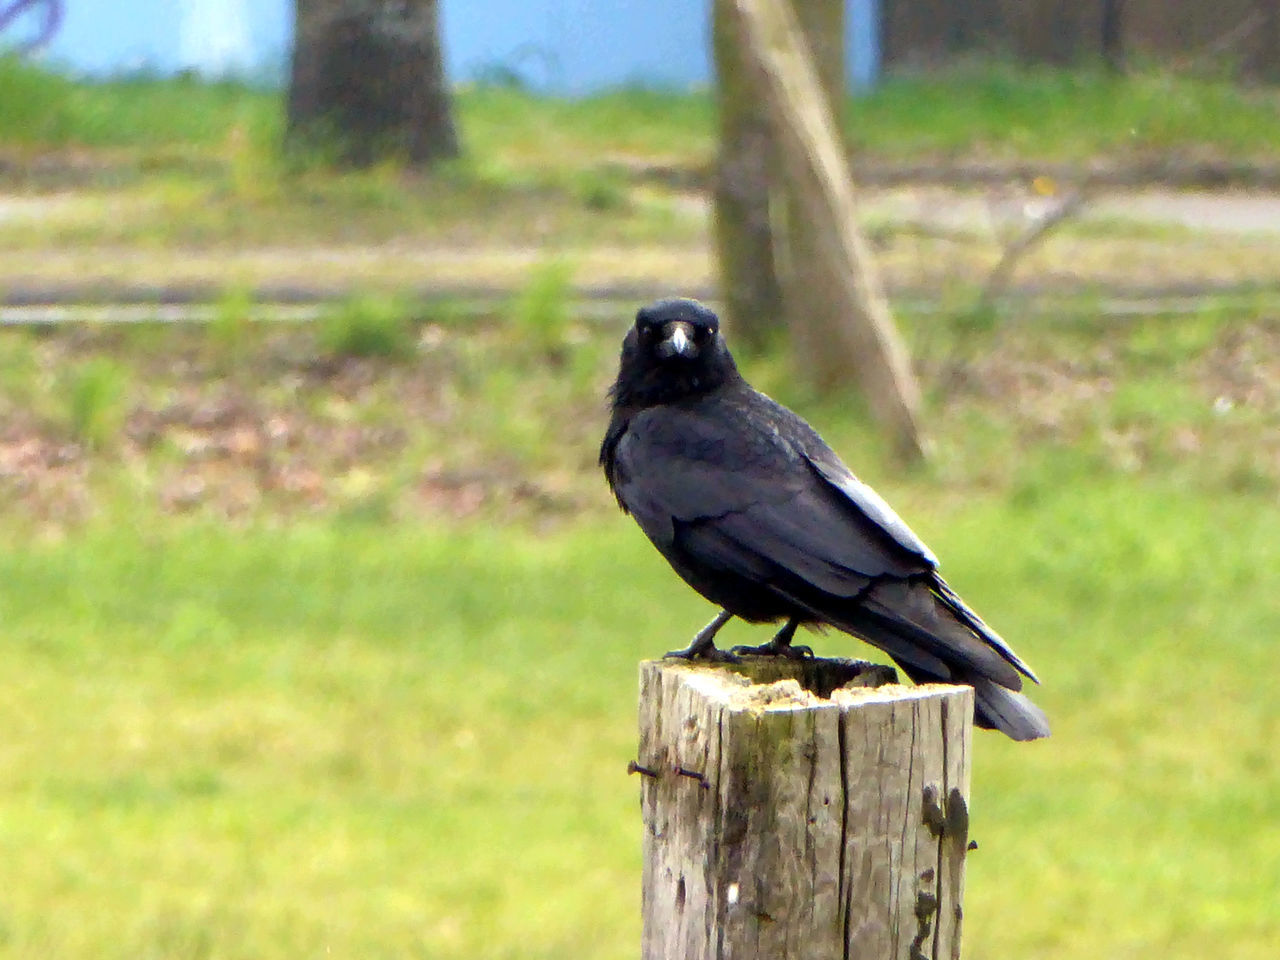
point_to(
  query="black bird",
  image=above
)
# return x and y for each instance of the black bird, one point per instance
(760, 516)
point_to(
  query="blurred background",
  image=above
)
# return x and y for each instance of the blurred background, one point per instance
(319, 626)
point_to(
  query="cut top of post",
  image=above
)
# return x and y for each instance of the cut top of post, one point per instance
(800, 684)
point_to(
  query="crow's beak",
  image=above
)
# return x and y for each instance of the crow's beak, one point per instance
(677, 341)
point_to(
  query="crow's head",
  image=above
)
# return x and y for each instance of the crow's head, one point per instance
(674, 351)
(676, 331)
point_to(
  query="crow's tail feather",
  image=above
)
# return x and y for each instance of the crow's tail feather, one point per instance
(996, 708)
(931, 644)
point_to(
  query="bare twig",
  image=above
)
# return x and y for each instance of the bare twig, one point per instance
(955, 369)
(1222, 45)
(1026, 241)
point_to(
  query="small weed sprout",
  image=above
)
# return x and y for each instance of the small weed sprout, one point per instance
(253, 165)
(229, 327)
(541, 312)
(95, 393)
(600, 190)
(368, 326)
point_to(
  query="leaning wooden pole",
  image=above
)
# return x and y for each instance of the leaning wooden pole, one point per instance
(742, 195)
(810, 310)
(864, 336)
(787, 821)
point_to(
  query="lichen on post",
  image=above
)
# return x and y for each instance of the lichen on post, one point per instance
(796, 809)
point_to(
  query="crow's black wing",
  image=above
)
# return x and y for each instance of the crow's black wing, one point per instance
(744, 497)
(943, 599)
(832, 469)
(759, 498)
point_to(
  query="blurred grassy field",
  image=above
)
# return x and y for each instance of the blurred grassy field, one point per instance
(389, 714)
(321, 639)
(987, 109)
(410, 740)
(136, 184)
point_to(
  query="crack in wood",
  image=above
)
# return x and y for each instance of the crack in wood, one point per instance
(842, 892)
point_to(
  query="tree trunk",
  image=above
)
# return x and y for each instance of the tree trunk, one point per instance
(1266, 59)
(367, 82)
(861, 340)
(804, 273)
(1113, 34)
(742, 192)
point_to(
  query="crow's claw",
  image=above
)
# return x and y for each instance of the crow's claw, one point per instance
(703, 646)
(709, 653)
(779, 646)
(773, 649)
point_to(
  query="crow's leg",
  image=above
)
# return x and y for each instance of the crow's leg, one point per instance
(779, 646)
(703, 646)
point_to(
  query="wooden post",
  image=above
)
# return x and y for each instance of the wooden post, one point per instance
(859, 326)
(787, 816)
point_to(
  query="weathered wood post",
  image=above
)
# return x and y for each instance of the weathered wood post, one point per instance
(793, 811)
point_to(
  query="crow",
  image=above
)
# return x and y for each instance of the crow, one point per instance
(753, 509)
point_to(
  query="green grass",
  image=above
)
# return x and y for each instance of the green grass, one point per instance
(379, 740)
(323, 639)
(519, 127)
(94, 398)
(41, 108)
(991, 109)
(1004, 112)
(393, 722)
(541, 314)
(178, 182)
(1165, 705)
(367, 326)
(230, 329)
